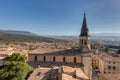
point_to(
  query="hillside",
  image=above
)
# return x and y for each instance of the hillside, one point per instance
(19, 32)
(26, 38)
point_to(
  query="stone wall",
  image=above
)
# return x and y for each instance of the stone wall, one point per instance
(101, 65)
(87, 62)
(112, 67)
(57, 58)
(109, 66)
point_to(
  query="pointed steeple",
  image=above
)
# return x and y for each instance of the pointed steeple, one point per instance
(84, 25)
(84, 41)
(84, 29)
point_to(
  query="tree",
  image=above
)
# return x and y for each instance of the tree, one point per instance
(106, 50)
(118, 52)
(15, 67)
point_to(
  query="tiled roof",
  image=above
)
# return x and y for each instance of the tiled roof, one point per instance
(79, 72)
(39, 74)
(44, 51)
(107, 57)
(57, 51)
(6, 51)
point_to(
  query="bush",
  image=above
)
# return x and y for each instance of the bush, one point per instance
(15, 68)
(118, 52)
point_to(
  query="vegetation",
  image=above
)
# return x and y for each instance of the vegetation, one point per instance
(74, 47)
(26, 38)
(15, 67)
(106, 49)
(118, 52)
(113, 46)
(93, 46)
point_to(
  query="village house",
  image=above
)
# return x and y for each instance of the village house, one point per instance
(4, 52)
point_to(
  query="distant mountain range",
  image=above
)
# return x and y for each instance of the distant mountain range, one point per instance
(106, 34)
(19, 32)
(97, 36)
(62, 37)
(25, 36)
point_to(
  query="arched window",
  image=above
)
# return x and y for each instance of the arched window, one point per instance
(64, 60)
(74, 59)
(44, 58)
(114, 68)
(109, 67)
(81, 42)
(54, 59)
(35, 58)
(85, 42)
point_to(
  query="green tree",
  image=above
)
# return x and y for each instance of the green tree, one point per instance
(106, 49)
(118, 52)
(15, 67)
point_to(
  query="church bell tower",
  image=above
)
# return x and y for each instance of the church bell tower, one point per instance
(84, 37)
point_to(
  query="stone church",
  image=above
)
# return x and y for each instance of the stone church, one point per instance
(80, 57)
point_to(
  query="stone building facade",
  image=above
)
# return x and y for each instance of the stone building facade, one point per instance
(109, 65)
(106, 64)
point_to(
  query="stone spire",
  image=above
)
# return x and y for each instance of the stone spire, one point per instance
(84, 41)
(84, 29)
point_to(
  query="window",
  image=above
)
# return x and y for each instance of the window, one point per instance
(114, 68)
(96, 67)
(81, 42)
(74, 59)
(35, 58)
(85, 42)
(64, 60)
(54, 59)
(44, 58)
(109, 67)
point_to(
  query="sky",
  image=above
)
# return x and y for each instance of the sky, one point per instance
(60, 17)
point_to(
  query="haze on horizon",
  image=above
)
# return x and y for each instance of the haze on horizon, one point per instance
(60, 17)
